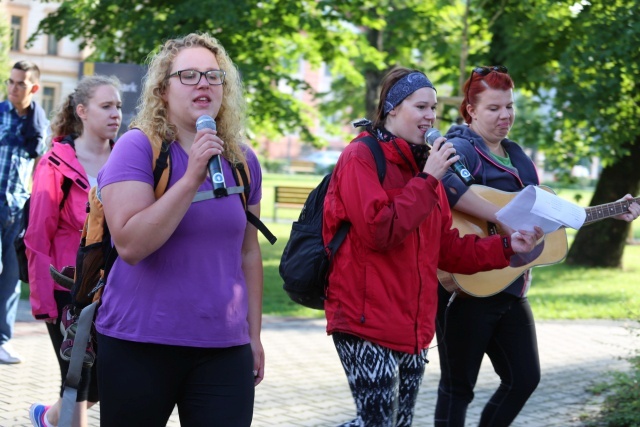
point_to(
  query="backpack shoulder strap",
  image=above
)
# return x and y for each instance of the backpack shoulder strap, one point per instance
(161, 169)
(243, 181)
(257, 223)
(161, 163)
(381, 167)
(74, 373)
(161, 175)
(338, 238)
(378, 155)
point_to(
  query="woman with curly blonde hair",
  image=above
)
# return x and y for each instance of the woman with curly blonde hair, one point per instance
(152, 116)
(181, 312)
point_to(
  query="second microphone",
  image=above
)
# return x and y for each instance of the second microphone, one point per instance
(215, 163)
(458, 167)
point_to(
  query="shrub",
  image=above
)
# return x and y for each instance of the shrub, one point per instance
(621, 407)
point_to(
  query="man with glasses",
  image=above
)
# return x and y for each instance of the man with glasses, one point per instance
(23, 125)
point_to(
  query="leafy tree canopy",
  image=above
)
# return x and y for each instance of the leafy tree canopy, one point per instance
(587, 50)
(581, 61)
(358, 39)
(265, 39)
(5, 41)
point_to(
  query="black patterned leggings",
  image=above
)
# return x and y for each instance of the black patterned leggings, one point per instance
(384, 383)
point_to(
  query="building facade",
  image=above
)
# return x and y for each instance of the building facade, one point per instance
(58, 60)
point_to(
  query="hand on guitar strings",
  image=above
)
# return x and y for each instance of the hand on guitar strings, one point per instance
(633, 210)
(523, 241)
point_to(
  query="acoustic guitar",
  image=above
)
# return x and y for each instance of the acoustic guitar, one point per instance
(551, 249)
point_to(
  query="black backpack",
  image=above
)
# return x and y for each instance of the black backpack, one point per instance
(305, 261)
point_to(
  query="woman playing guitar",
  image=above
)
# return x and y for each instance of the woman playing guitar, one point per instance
(500, 325)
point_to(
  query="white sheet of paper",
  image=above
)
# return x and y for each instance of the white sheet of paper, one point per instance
(535, 206)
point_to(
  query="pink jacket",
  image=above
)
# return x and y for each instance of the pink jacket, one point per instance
(53, 235)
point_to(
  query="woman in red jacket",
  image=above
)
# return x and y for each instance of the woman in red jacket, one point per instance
(382, 296)
(86, 125)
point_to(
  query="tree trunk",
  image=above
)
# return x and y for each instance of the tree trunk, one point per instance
(602, 244)
(373, 76)
(372, 82)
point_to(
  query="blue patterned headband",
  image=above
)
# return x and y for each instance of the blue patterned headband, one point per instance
(405, 87)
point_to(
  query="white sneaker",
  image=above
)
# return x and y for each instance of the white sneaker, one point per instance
(8, 354)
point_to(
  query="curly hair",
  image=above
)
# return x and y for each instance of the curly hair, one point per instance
(65, 120)
(152, 116)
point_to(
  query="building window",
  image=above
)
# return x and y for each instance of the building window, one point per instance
(52, 45)
(48, 99)
(16, 28)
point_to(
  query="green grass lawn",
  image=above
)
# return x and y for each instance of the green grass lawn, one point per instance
(564, 292)
(558, 291)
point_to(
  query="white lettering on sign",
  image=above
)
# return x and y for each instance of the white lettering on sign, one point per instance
(129, 87)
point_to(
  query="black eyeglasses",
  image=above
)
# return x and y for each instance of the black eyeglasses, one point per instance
(483, 71)
(192, 77)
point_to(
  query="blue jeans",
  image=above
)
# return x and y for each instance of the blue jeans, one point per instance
(9, 282)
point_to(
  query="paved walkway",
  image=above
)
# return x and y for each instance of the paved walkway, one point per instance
(305, 385)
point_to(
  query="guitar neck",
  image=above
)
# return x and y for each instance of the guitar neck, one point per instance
(596, 213)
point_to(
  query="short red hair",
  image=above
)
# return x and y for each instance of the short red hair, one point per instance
(477, 83)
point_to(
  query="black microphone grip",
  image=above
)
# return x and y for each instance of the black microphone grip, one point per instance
(215, 170)
(215, 164)
(458, 167)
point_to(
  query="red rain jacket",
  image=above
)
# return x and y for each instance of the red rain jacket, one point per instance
(383, 281)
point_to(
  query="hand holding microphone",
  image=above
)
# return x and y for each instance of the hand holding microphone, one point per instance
(458, 167)
(215, 164)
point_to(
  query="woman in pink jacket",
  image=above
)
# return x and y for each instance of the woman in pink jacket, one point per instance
(85, 125)
(382, 296)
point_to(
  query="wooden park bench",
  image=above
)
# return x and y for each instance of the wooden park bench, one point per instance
(302, 166)
(290, 198)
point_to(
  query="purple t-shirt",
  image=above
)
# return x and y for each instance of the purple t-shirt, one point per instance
(192, 290)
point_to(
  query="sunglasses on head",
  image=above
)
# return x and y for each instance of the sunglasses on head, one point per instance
(483, 71)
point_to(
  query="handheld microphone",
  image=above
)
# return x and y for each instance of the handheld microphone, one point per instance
(460, 170)
(215, 164)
